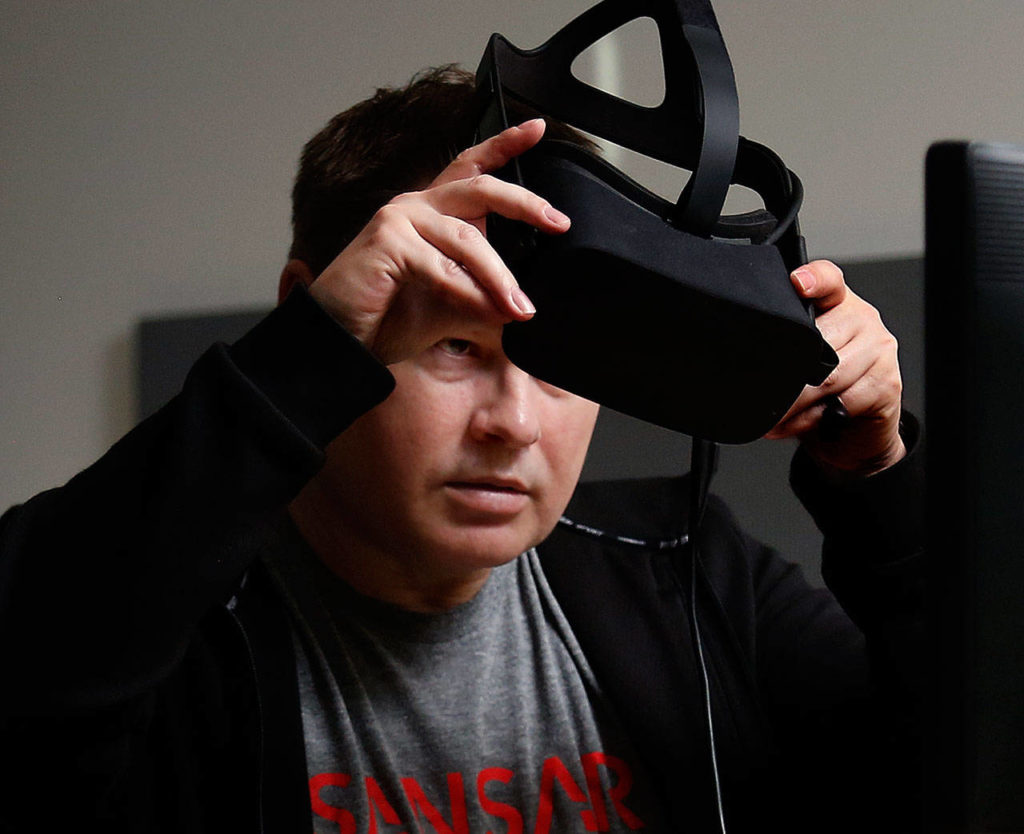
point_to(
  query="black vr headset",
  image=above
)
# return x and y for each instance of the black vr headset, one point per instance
(668, 312)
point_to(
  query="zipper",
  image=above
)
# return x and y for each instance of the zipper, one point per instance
(230, 608)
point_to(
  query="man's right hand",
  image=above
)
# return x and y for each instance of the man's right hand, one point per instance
(423, 261)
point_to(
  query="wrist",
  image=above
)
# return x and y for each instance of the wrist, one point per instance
(866, 467)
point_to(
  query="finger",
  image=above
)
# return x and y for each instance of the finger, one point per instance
(805, 411)
(844, 324)
(461, 245)
(822, 283)
(865, 381)
(428, 271)
(856, 359)
(865, 398)
(473, 198)
(493, 153)
(811, 395)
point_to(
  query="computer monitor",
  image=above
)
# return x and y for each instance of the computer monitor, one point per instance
(974, 361)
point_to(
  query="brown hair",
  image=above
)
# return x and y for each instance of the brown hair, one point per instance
(396, 141)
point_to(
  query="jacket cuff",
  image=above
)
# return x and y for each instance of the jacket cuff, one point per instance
(319, 376)
(885, 512)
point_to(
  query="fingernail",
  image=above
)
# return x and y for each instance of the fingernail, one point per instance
(522, 302)
(555, 216)
(805, 279)
(530, 122)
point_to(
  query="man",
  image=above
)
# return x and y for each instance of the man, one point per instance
(325, 581)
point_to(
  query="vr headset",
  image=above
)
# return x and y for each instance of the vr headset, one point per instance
(669, 312)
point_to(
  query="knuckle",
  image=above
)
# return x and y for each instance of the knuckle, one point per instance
(829, 269)
(384, 218)
(450, 268)
(896, 380)
(468, 233)
(892, 343)
(481, 182)
(391, 212)
(885, 378)
(831, 381)
(399, 201)
(467, 159)
(885, 344)
(469, 154)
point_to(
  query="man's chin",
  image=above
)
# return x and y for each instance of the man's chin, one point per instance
(490, 546)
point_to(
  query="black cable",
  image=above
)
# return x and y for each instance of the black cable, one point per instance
(703, 458)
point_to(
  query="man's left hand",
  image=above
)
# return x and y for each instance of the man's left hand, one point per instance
(866, 382)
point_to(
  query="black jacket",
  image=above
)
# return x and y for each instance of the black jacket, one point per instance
(148, 676)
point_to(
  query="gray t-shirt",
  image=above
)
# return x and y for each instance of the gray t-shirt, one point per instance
(485, 718)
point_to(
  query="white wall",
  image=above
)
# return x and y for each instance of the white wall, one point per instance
(147, 149)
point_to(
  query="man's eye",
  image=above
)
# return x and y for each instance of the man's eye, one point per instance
(455, 347)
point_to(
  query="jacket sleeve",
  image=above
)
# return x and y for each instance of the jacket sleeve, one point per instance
(874, 561)
(103, 580)
(845, 682)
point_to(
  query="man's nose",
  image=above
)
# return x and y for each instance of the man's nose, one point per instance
(510, 411)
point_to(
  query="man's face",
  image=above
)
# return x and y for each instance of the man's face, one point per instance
(468, 463)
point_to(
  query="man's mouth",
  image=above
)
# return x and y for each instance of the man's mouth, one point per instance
(495, 484)
(489, 497)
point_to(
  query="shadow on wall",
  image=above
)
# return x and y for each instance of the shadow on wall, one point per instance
(751, 478)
